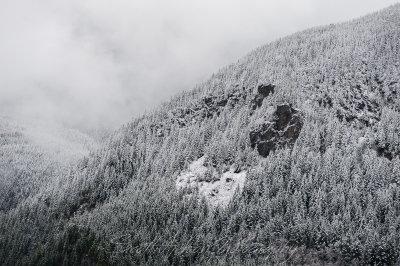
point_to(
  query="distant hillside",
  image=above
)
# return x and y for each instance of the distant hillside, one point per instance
(34, 153)
(290, 155)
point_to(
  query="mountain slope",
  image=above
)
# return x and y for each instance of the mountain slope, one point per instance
(32, 153)
(309, 122)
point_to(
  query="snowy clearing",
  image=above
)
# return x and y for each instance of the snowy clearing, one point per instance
(219, 191)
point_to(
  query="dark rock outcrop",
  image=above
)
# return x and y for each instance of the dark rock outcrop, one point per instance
(385, 151)
(263, 91)
(266, 90)
(209, 106)
(282, 131)
(206, 108)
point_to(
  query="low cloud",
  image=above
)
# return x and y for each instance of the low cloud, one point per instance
(94, 64)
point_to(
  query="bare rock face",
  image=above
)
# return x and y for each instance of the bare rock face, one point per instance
(264, 90)
(210, 106)
(385, 151)
(205, 108)
(282, 131)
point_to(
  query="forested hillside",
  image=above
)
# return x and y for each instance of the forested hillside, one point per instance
(32, 154)
(290, 155)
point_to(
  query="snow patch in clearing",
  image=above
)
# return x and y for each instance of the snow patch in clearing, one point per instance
(195, 172)
(217, 192)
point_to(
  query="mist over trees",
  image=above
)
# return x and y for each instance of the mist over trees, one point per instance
(331, 197)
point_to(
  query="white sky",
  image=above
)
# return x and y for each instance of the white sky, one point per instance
(95, 64)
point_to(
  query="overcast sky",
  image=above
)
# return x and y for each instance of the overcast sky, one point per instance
(97, 63)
